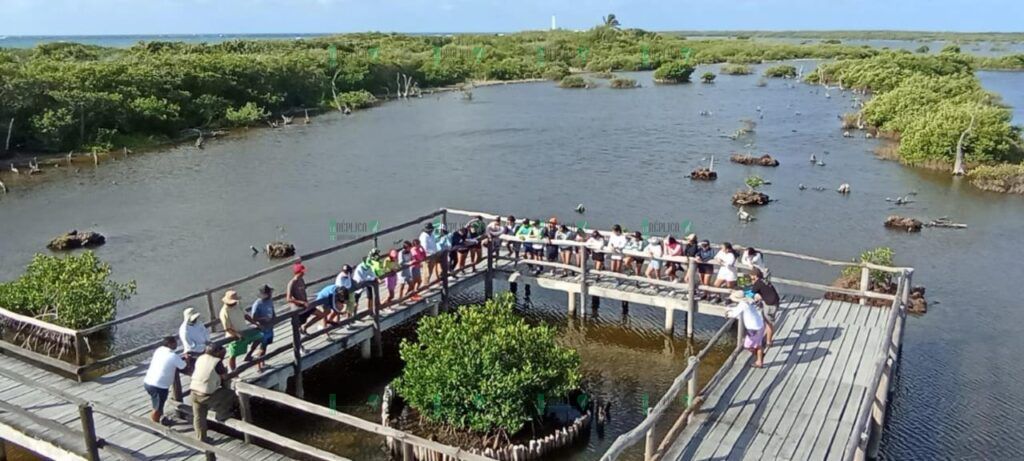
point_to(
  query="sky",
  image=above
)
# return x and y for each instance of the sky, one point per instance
(129, 17)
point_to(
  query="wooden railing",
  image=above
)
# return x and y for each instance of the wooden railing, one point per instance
(245, 392)
(79, 338)
(646, 429)
(871, 416)
(92, 442)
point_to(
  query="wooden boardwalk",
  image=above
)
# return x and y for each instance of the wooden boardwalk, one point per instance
(804, 402)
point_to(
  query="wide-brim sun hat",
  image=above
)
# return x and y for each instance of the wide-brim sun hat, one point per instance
(230, 298)
(691, 237)
(654, 240)
(737, 296)
(190, 314)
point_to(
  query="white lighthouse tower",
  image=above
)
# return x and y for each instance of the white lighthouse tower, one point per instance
(554, 25)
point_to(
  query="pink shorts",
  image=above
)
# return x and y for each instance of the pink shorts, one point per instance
(754, 339)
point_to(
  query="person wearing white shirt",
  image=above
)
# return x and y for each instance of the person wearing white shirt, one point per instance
(727, 271)
(595, 244)
(429, 244)
(654, 249)
(752, 322)
(193, 335)
(752, 258)
(160, 375)
(617, 243)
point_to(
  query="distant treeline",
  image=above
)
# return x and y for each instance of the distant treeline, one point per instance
(861, 35)
(65, 96)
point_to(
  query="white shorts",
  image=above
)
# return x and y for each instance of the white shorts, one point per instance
(726, 274)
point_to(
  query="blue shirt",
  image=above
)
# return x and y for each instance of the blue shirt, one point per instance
(327, 292)
(261, 311)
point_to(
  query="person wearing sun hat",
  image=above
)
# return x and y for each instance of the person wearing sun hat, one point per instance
(236, 326)
(753, 322)
(194, 336)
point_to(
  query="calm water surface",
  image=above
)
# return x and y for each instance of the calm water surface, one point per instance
(182, 220)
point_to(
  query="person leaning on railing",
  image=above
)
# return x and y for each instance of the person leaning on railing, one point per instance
(262, 315)
(330, 300)
(160, 376)
(194, 337)
(236, 326)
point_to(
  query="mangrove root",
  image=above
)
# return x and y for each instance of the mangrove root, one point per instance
(280, 250)
(764, 160)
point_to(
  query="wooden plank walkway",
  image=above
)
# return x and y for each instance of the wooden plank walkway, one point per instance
(803, 403)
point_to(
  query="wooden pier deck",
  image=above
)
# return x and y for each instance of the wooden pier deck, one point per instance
(821, 395)
(804, 403)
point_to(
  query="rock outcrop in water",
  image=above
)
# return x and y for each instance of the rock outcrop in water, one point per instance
(900, 222)
(744, 159)
(750, 198)
(918, 304)
(75, 239)
(703, 174)
(280, 250)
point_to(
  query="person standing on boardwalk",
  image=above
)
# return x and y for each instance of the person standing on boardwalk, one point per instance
(494, 232)
(364, 274)
(690, 250)
(344, 281)
(617, 243)
(596, 245)
(654, 249)
(263, 315)
(194, 336)
(236, 326)
(419, 254)
(635, 244)
(295, 294)
(752, 322)
(208, 389)
(406, 282)
(672, 249)
(727, 275)
(160, 376)
(429, 244)
(705, 254)
(768, 301)
(388, 269)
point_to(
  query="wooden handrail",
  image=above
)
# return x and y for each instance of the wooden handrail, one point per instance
(859, 437)
(43, 325)
(894, 270)
(630, 438)
(286, 400)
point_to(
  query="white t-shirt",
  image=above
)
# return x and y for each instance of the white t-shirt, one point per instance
(161, 369)
(756, 261)
(727, 271)
(617, 243)
(343, 281)
(495, 229)
(428, 242)
(752, 319)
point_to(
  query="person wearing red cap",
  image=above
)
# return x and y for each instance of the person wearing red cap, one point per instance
(295, 295)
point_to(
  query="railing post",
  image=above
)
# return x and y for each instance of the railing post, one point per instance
(649, 441)
(92, 446)
(865, 279)
(213, 311)
(297, 351)
(489, 276)
(584, 255)
(176, 387)
(80, 354)
(374, 301)
(246, 410)
(740, 332)
(691, 384)
(210, 456)
(444, 279)
(691, 313)
(908, 278)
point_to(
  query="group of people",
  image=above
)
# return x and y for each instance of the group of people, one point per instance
(250, 332)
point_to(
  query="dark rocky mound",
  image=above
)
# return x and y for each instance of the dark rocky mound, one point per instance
(703, 174)
(75, 239)
(764, 160)
(900, 222)
(280, 249)
(750, 198)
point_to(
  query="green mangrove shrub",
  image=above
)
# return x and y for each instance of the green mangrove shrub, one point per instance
(673, 72)
(882, 256)
(249, 114)
(735, 69)
(780, 71)
(623, 83)
(708, 77)
(574, 81)
(72, 291)
(484, 367)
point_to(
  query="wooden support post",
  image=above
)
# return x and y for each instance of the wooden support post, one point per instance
(572, 303)
(691, 384)
(514, 288)
(3, 450)
(366, 349)
(210, 456)
(435, 309)
(908, 284)
(625, 307)
(213, 311)
(595, 303)
(176, 394)
(649, 442)
(444, 280)
(92, 446)
(407, 452)
(489, 275)
(691, 311)
(297, 352)
(80, 351)
(584, 255)
(246, 410)
(378, 337)
(865, 280)
(740, 332)
(526, 290)
(670, 321)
